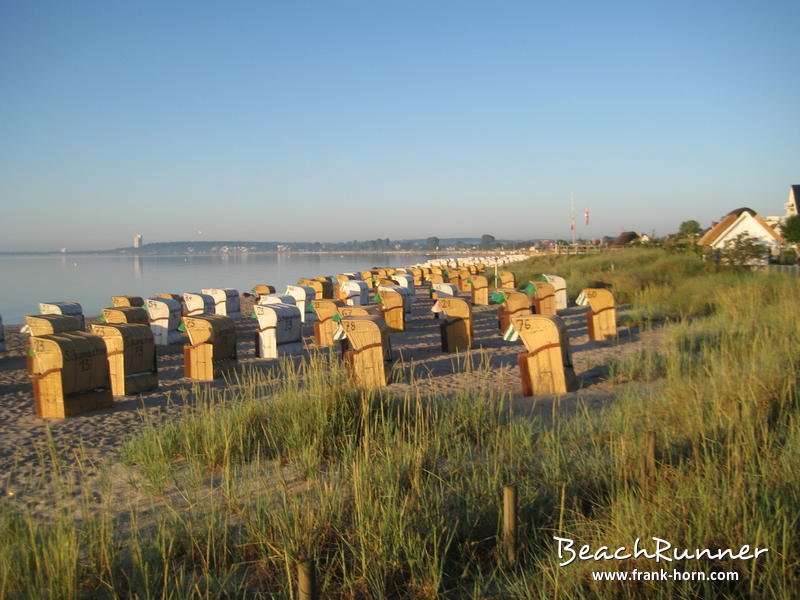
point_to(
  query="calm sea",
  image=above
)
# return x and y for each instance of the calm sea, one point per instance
(92, 280)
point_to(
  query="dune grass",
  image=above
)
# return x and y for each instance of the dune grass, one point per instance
(400, 496)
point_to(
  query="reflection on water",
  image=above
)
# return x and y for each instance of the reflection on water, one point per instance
(92, 280)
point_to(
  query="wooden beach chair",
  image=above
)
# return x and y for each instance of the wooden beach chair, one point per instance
(479, 290)
(315, 284)
(303, 295)
(355, 292)
(211, 351)
(560, 285)
(463, 279)
(544, 298)
(443, 290)
(329, 287)
(199, 304)
(373, 310)
(366, 350)
(326, 323)
(50, 324)
(137, 301)
(516, 304)
(262, 289)
(63, 308)
(368, 277)
(601, 320)
(176, 297)
(126, 314)
(277, 299)
(227, 302)
(69, 373)
(507, 279)
(456, 328)
(546, 367)
(338, 291)
(280, 330)
(405, 281)
(165, 319)
(393, 308)
(131, 355)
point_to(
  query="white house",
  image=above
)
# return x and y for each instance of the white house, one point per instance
(790, 208)
(742, 220)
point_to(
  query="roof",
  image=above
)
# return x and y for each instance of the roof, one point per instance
(794, 195)
(728, 220)
(626, 237)
(739, 211)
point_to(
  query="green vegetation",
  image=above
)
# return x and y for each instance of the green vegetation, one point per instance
(690, 228)
(400, 496)
(790, 229)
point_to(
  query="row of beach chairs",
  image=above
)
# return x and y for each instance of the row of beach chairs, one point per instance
(74, 371)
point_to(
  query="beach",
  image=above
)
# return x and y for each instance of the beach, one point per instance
(89, 444)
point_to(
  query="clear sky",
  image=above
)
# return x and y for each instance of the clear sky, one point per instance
(343, 120)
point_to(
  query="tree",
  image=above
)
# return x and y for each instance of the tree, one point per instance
(432, 243)
(487, 241)
(743, 250)
(689, 228)
(790, 230)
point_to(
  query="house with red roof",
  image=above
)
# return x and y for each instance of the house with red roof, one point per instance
(742, 221)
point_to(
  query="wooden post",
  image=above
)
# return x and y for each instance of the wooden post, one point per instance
(649, 462)
(510, 522)
(307, 580)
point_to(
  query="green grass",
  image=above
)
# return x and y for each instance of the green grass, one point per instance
(400, 496)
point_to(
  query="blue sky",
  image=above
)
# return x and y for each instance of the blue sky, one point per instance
(355, 120)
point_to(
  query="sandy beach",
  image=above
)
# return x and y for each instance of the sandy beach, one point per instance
(25, 468)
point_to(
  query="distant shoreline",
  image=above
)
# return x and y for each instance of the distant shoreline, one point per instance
(265, 252)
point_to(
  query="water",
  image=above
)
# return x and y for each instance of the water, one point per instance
(26, 280)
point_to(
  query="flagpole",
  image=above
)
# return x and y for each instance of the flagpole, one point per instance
(572, 215)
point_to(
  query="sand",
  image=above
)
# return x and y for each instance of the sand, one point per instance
(98, 436)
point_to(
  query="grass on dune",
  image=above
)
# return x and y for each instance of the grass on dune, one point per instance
(400, 496)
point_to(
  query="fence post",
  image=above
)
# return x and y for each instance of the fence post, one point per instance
(307, 580)
(510, 522)
(649, 462)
